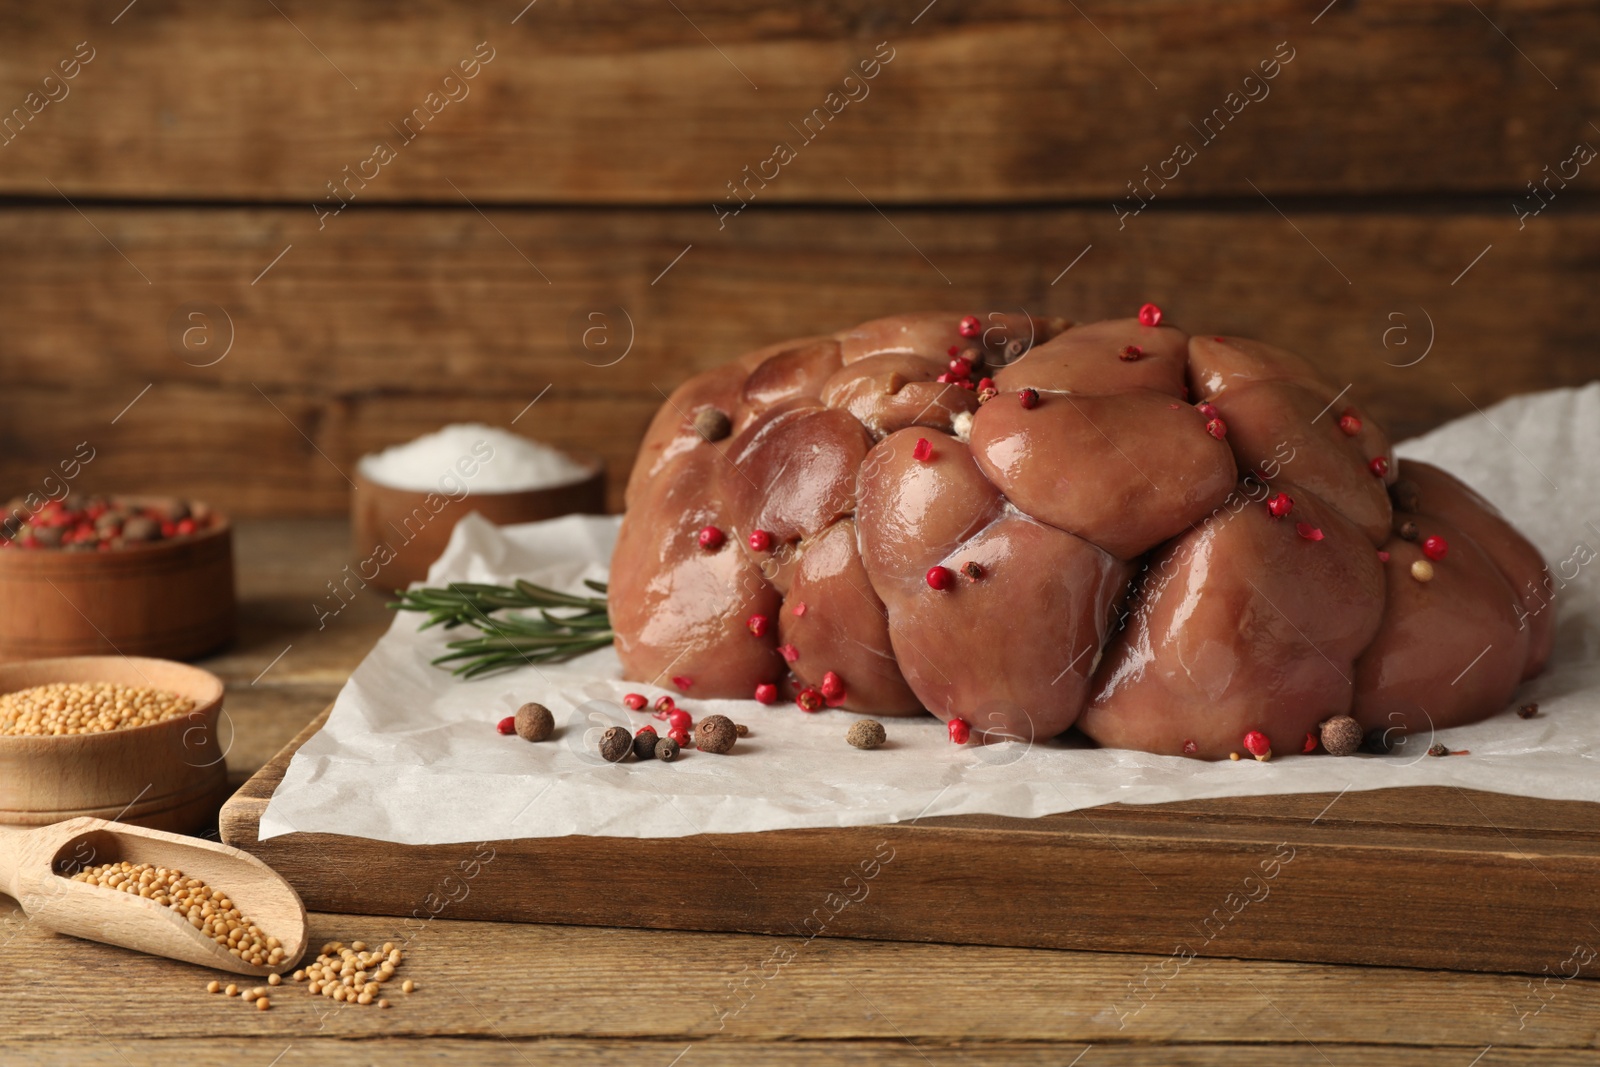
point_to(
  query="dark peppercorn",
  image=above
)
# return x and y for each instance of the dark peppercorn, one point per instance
(1408, 531)
(1438, 749)
(1377, 741)
(615, 744)
(1527, 711)
(712, 424)
(666, 750)
(644, 742)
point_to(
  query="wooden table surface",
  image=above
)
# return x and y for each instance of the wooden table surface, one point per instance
(493, 993)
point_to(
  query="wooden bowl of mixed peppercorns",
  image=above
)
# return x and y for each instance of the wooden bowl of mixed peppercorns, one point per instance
(134, 575)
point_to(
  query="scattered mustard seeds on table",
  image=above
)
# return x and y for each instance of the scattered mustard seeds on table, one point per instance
(86, 708)
(208, 910)
(354, 975)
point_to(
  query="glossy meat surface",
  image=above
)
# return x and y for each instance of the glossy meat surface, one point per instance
(1164, 540)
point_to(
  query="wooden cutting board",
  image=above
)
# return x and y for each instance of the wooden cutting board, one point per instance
(1425, 877)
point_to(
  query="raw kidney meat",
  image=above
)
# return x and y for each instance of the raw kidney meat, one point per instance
(1167, 541)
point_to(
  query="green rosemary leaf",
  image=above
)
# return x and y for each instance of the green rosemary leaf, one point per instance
(565, 627)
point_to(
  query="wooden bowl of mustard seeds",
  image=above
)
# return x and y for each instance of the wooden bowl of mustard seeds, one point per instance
(168, 774)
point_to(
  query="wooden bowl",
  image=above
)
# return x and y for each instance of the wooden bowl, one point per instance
(172, 599)
(413, 527)
(168, 775)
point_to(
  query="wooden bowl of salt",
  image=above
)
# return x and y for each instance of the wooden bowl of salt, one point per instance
(408, 499)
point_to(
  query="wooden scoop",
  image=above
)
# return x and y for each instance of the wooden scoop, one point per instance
(36, 867)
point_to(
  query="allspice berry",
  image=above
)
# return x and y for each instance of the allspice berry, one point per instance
(1408, 531)
(866, 734)
(666, 750)
(534, 722)
(615, 744)
(715, 733)
(644, 743)
(1341, 735)
(712, 424)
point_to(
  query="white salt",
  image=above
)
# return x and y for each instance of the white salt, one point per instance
(471, 458)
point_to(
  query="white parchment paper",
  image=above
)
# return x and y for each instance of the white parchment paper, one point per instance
(410, 754)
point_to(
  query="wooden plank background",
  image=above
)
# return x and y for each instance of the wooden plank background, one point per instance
(1367, 201)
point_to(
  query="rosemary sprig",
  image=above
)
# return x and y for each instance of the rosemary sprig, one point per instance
(509, 641)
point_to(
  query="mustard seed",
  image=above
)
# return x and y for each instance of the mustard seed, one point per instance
(232, 990)
(408, 986)
(383, 1003)
(87, 708)
(208, 910)
(213, 987)
(262, 1004)
(274, 979)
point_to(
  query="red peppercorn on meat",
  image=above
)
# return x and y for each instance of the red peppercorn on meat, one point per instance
(1101, 535)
